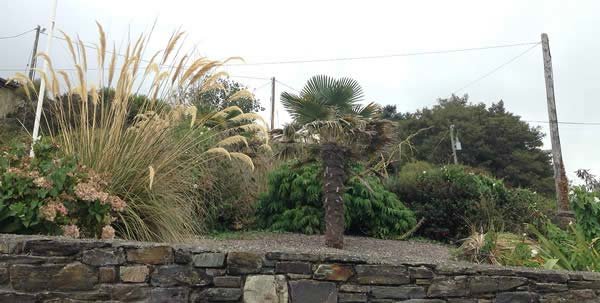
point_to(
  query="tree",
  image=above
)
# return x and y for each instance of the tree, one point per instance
(492, 139)
(220, 97)
(327, 113)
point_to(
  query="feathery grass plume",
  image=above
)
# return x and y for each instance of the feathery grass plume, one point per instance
(243, 158)
(99, 129)
(241, 94)
(249, 116)
(233, 140)
(102, 46)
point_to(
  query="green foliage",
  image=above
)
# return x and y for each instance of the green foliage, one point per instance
(586, 206)
(492, 138)
(499, 248)
(293, 203)
(51, 194)
(568, 249)
(452, 198)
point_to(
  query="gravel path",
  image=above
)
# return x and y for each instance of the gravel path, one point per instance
(374, 250)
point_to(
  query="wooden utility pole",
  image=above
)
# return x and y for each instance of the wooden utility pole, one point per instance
(560, 177)
(453, 142)
(38, 29)
(273, 103)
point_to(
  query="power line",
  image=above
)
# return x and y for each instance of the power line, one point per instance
(19, 35)
(288, 86)
(385, 56)
(564, 122)
(497, 68)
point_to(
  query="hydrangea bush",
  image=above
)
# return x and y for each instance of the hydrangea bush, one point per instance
(52, 194)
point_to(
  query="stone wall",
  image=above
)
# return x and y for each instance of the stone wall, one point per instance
(44, 269)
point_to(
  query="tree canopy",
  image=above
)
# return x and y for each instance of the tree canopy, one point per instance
(492, 138)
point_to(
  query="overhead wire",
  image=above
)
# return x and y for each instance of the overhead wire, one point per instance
(18, 35)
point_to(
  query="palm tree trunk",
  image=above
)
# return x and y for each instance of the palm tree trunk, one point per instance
(334, 177)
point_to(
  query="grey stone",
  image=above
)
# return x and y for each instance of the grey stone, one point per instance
(214, 260)
(352, 297)
(354, 288)
(487, 284)
(454, 269)
(182, 256)
(549, 287)
(227, 281)
(424, 301)
(154, 255)
(4, 277)
(544, 276)
(169, 295)
(298, 276)
(58, 247)
(584, 284)
(286, 256)
(30, 278)
(107, 274)
(239, 263)
(334, 258)
(266, 289)
(517, 297)
(127, 292)
(134, 274)
(179, 275)
(75, 276)
(10, 297)
(448, 287)
(302, 268)
(222, 294)
(420, 272)
(382, 274)
(398, 292)
(579, 296)
(333, 272)
(103, 257)
(307, 291)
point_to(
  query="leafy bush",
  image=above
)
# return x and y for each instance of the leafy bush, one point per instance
(568, 249)
(51, 194)
(500, 249)
(293, 203)
(452, 198)
(586, 206)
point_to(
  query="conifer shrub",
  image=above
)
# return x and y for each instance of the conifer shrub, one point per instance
(293, 203)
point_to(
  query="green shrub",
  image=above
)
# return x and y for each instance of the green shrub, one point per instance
(453, 198)
(586, 206)
(51, 194)
(293, 203)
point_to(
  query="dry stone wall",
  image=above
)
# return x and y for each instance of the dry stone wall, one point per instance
(45, 269)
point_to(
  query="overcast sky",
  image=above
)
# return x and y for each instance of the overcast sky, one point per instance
(262, 31)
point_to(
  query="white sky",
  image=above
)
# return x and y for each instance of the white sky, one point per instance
(286, 30)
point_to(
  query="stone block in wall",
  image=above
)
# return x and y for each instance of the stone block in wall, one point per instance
(103, 257)
(154, 255)
(420, 272)
(543, 275)
(517, 297)
(134, 273)
(492, 284)
(10, 296)
(309, 291)
(218, 295)
(182, 256)
(57, 247)
(302, 268)
(352, 297)
(549, 287)
(578, 296)
(456, 286)
(584, 285)
(213, 260)
(227, 281)
(239, 263)
(73, 276)
(107, 274)
(179, 275)
(333, 272)
(354, 288)
(398, 292)
(4, 277)
(127, 292)
(287, 256)
(266, 289)
(382, 274)
(169, 295)
(335, 258)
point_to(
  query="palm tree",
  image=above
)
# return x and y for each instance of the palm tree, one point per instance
(327, 112)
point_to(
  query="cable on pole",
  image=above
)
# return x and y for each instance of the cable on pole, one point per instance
(496, 69)
(18, 35)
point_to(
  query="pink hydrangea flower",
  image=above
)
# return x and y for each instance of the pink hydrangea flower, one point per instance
(48, 212)
(117, 203)
(71, 231)
(108, 232)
